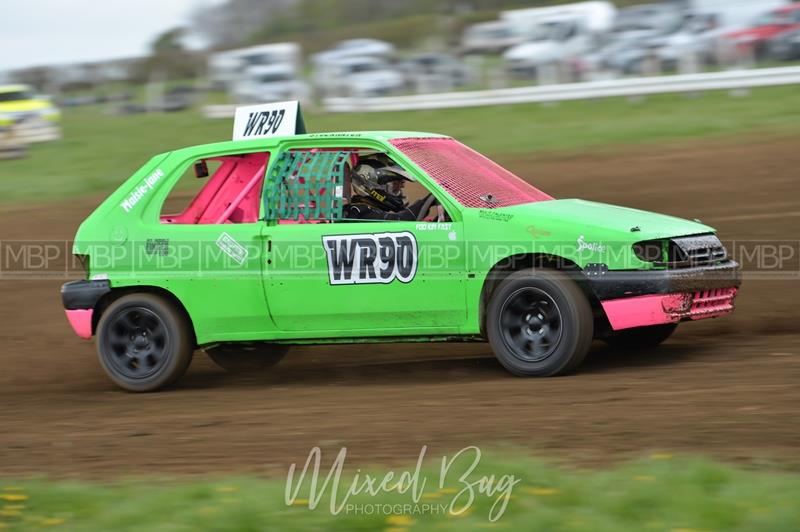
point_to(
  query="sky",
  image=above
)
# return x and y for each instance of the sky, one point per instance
(52, 32)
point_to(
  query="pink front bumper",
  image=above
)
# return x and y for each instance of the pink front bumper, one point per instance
(656, 309)
(81, 321)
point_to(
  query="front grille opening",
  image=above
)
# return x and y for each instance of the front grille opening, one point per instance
(694, 251)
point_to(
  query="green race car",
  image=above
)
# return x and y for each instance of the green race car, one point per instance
(246, 247)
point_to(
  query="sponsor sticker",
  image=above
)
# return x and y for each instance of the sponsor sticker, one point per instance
(232, 248)
(373, 258)
(433, 226)
(157, 246)
(494, 215)
(591, 246)
(147, 184)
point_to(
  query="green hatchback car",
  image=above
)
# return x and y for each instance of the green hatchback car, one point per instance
(244, 248)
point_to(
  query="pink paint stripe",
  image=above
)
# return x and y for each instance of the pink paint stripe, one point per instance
(81, 321)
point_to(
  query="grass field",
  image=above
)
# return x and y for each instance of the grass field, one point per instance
(656, 493)
(99, 150)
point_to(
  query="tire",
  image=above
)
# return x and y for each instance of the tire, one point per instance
(144, 343)
(243, 357)
(563, 317)
(641, 337)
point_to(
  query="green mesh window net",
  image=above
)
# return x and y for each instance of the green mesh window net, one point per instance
(306, 185)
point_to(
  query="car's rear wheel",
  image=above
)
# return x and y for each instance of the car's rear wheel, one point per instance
(243, 357)
(641, 337)
(539, 323)
(143, 342)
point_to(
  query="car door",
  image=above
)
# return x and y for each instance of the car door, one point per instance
(329, 276)
(209, 252)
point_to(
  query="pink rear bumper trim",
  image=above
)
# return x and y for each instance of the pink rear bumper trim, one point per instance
(656, 309)
(81, 321)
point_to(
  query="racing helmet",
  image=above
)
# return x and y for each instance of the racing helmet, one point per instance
(378, 182)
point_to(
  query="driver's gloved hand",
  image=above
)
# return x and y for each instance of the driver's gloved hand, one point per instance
(417, 205)
(404, 215)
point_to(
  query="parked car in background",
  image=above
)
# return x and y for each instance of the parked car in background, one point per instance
(226, 69)
(785, 47)
(355, 48)
(490, 37)
(635, 31)
(696, 38)
(706, 22)
(450, 70)
(768, 26)
(270, 83)
(556, 35)
(34, 118)
(358, 77)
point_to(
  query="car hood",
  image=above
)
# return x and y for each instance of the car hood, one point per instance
(591, 218)
(23, 106)
(531, 51)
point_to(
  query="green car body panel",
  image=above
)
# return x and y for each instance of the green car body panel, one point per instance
(265, 295)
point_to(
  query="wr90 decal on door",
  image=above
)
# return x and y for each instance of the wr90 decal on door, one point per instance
(378, 258)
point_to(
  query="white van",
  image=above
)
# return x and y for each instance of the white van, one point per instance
(491, 37)
(556, 34)
(227, 68)
(707, 21)
(270, 83)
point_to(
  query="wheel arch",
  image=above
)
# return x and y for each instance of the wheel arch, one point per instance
(107, 299)
(523, 261)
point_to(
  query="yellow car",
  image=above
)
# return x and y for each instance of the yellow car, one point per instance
(32, 119)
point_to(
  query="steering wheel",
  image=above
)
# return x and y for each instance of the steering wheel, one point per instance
(429, 202)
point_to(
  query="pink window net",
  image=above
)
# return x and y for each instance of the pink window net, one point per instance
(468, 176)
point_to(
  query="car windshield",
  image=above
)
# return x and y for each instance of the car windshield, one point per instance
(13, 96)
(771, 19)
(472, 179)
(542, 32)
(258, 59)
(491, 33)
(274, 78)
(364, 67)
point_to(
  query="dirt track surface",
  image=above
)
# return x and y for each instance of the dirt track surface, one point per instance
(726, 388)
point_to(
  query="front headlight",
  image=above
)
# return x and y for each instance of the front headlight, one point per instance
(650, 250)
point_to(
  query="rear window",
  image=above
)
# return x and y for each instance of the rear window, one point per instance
(472, 179)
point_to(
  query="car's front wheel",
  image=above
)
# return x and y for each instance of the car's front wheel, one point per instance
(539, 323)
(143, 342)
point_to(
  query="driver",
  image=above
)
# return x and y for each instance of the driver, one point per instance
(378, 193)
